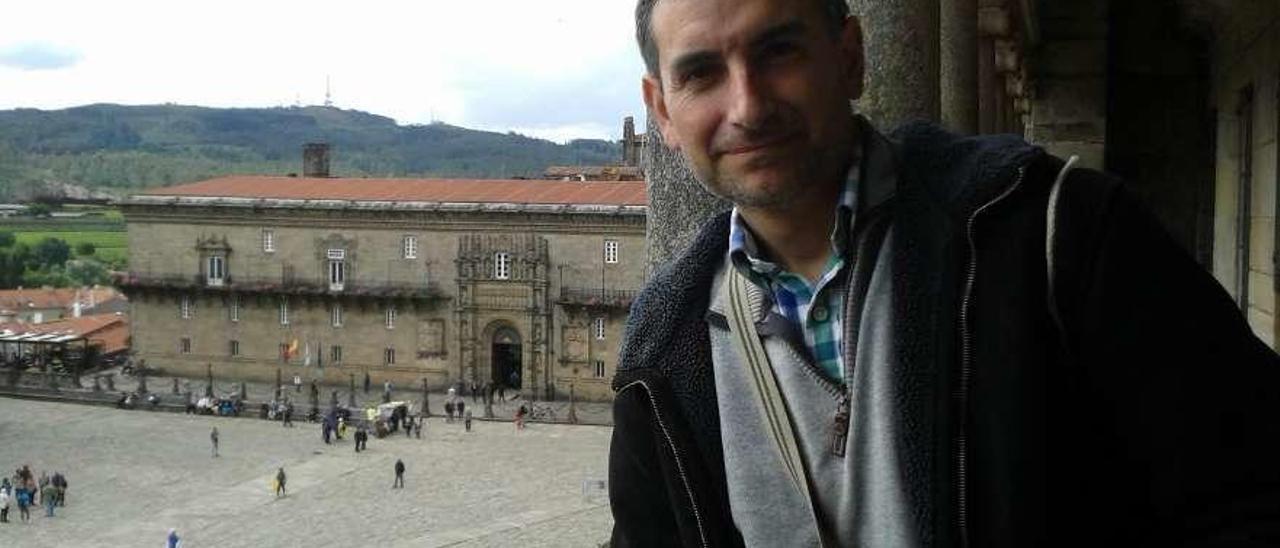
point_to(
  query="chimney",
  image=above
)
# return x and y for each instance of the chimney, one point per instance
(629, 152)
(315, 160)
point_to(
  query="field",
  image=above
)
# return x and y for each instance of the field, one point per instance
(106, 233)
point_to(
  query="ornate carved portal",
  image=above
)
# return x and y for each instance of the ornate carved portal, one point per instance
(504, 311)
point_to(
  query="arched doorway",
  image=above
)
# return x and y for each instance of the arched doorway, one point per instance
(505, 355)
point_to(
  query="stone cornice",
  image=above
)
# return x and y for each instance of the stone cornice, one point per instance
(565, 219)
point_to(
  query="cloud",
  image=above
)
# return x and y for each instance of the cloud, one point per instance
(38, 56)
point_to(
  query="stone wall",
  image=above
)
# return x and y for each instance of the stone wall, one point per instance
(1069, 70)
(1246, 55)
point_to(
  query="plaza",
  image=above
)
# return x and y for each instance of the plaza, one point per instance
(134, 474)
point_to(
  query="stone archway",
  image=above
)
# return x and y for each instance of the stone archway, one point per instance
(506, 357)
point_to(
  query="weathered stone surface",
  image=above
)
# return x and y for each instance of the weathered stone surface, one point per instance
(901, 39)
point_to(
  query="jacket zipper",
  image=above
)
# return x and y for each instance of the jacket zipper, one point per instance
(688, 488)
(966, 364)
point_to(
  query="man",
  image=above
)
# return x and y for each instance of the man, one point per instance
(213, 438)
(399, 483)
(280, 480)
(919, 340)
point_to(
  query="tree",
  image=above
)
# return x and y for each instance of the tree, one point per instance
(51, 252)
(87, 272)
(39, 210)
(6, 238)
(85, 248)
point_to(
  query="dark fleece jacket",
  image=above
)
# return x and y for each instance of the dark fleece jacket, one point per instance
(1128, 404)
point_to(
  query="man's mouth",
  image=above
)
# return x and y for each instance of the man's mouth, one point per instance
(755, 145)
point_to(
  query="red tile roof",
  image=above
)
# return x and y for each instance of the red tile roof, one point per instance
(16, 300)
(624, 193)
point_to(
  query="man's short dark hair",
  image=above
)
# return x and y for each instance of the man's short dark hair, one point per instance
(837, 11)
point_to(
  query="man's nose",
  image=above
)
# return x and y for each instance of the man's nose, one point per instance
(751, 103)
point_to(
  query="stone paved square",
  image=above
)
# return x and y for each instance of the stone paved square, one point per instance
(134, 474)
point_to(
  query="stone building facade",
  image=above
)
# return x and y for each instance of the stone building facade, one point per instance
(520, 282)
(1177, 97)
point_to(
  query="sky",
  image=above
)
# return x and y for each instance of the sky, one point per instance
(556, 69)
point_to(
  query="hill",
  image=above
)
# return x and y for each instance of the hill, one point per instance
(124, 148)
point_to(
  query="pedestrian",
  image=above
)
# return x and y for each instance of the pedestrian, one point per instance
(4, 505)
(213, 438)
(448, 411)
(288, 415)
(172, 541)
(366, 382)
(475, 390)
(520, 413)
(280, 479)
(461, 407)
(24, 503)
(342, 428)
(467, 420)
(417, 427)
(386, 391)
(60, 483)
(399, 475)
(48, 497)
(408, 426)
(297, 384)
(324, 431)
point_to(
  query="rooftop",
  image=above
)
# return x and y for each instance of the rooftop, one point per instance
(430, 191)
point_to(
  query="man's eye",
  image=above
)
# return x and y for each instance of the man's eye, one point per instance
(697, 75)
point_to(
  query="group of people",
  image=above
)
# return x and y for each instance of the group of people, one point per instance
(24, 490)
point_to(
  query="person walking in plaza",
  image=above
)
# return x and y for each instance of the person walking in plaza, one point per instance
(475, 390)
(213, 438)
(280, 480)
(417, 426)
(172, 541)
(399, 475)
(408, 426)
(4, 503)
(386, 391)
(24, 503)
(466, 420)
(48, 497)
(461, 407)
(59, 482)
(366, 382)
(448, 411)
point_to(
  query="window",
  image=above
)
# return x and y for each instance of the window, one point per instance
(216, 271)
(335, 315)
(599, 369)
(233, 348)
(335, 354)
(611, 251)
(268, 240)
(337, 269)
(284, 312)
(502, 266)
(184, 345)
(389, 356)
(234, 306)
(184, 307)
(410, 247)
(391, 316)
(599, 328)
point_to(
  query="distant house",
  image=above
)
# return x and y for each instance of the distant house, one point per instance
(628, 170)
(108, 333)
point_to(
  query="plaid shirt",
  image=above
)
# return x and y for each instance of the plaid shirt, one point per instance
(813, 309)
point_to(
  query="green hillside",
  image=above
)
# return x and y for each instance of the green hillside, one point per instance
(123, 148)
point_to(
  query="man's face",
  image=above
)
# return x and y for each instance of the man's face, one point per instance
(755, 94)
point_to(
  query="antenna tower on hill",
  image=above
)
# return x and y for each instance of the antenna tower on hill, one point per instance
(328, 99)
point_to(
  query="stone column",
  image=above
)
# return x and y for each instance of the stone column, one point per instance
(993, 23)
(902, 55)
(958, 65)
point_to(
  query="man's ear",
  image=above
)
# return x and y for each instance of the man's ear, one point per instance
(657, 103)
(853, 59)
